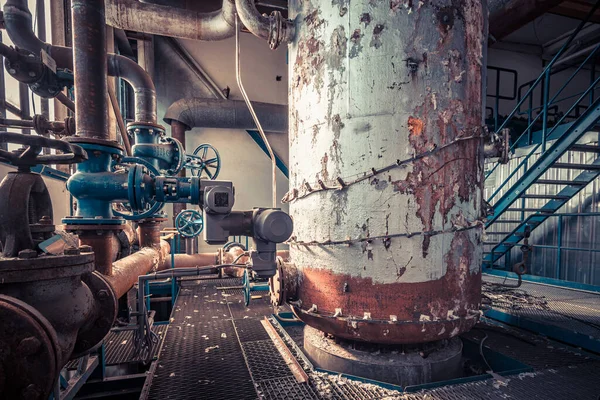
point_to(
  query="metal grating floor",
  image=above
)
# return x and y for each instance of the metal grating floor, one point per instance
(564, 308)
(215, 348)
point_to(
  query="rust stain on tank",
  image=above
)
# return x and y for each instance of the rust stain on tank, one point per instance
(450, 299)
(324, 173)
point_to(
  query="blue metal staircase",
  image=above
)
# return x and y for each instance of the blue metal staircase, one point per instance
(520, 188)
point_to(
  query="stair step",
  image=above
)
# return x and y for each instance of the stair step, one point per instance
(489, 243)
(585, 148)
(508, 221)
(531, 210)
(545, 196)
(497, 233)
(559, 182)
(589, 167)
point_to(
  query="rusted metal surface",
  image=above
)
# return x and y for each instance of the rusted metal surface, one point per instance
(90, 68)
(290, 359)
(149, 232)
(104, 243)
(126, 271)
(373, 83)
(191, 260)
(29, 359)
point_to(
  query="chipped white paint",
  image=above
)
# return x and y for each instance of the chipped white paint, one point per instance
(351, 95)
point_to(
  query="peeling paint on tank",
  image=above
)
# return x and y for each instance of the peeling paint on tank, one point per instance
(376, 39)
(357, 47)
(406, 112)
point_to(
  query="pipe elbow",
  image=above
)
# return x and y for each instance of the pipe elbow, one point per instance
(19, 26)
(198, 112)
(145, 93)
(275, 29)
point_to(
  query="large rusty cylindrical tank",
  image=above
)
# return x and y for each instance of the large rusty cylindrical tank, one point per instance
(386, 166)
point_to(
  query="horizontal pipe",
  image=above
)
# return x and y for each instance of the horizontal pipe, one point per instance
(172, 21)
(125, 272)
(204, 259)
(228, 114)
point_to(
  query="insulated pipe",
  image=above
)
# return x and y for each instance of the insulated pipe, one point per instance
(274, 28)
(231, 114)
(126, 271)
(90, 69)
(172, 21)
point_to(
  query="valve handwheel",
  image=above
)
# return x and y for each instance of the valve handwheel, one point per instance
(205, 162)
(189, 223)
(29, 155)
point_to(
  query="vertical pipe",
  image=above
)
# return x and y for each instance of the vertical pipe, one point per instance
(24, 104)
(592, 79)
(178, 132)
(545, 109)
(40, 11)
(529, 118)
(497, 110)
(3, 146)
(559, 245)
(89, 60)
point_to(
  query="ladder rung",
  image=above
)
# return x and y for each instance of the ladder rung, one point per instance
(545, 196)
(559, 182)
(590, 167)
(586, 148)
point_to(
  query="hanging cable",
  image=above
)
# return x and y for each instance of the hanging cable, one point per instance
(238, 76)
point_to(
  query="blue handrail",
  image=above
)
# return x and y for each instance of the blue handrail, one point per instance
(545, 79)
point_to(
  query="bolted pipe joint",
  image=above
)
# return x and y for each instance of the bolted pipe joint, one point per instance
(274, 28)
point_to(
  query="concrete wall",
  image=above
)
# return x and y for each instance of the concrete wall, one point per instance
(243, 162)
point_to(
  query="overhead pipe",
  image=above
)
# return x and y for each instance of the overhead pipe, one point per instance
(20, 31)
(274, 28)
(172, 21)
(19, 26)
(231, 114)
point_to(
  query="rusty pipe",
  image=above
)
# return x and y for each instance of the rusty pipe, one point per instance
(126, 271)
(171, 21)
(149, 232)
(90, 68)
